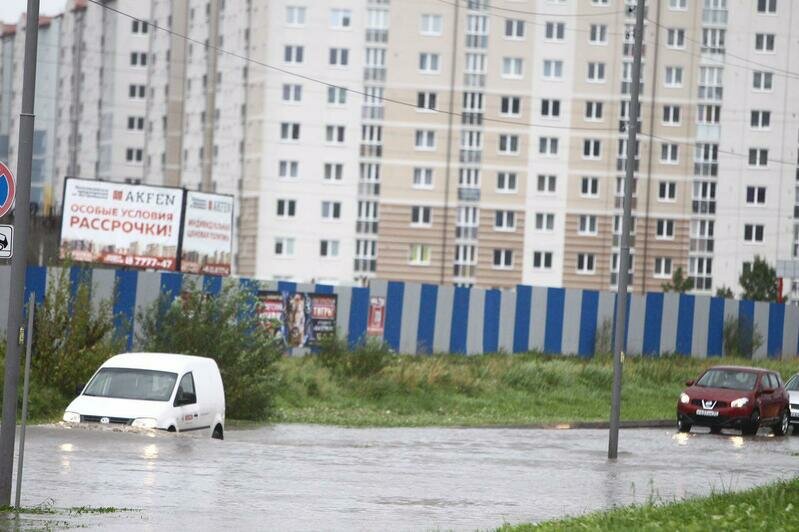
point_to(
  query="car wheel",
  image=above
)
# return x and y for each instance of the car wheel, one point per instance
(750, 428)
(781, 428)
(218, 433)
(715, 430)
(682, 426)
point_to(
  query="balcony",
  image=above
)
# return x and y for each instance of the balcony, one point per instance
(617, 241)
(472, 119)
(703, 207)
(365, 265)
(476, 41)
(374, 74)
(369, 189)
(377, 36)
(471, 156)
(467, 271)
(372, 112)
(618, 202)
(714, 17)
(474, 80)
(463, 232)
(366, 227)
(713, 93)
(371, 150)
(621, 164)
(706, 169)
(468, 194)
(701, 245)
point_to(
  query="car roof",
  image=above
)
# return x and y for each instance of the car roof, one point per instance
(744, 368)
(158, 361)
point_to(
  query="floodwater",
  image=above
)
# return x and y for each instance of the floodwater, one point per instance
(302, 477)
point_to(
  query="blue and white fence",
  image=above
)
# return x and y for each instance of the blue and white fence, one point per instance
(425, 318)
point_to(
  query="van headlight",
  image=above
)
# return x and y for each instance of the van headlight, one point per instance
(144, 422)
(740, 403)
(71, 417)
(684, 399)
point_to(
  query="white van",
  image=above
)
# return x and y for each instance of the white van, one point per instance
(154, 390)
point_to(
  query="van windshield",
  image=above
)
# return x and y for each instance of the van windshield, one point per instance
(130, 383)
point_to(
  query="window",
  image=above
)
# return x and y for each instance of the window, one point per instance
(592, 149)
(598, 34)
(286, 208)
(292, 92)
(136, 123)
(755, 195)
(328, 248)
(510, 106)
(421, 216)
(671, 115)
(713, 40)
(542, 260)
(419, 255)
(295, 16)
(432, 25)
(663, 267)
(334, 134)
(596, 72)
(600, 3)
(506, 182)
(664, 230)
(593, 111)
(761, 119)
(587, 225)
(766, 6)
(758, 157)
(550, 108)
(546, 184)
(762, 81)
(708, 114)
(512, 67)
(669, 153)
(764, 42)
(139, 26)
(425, 139)
(548, 146)
(504, 221)
(336, 95)
(136, 91)
(753, 233)
(340, 18)
(679, 5)
(333, 171)
(428, 63)
(422, 178)
(555, 31)
(426, 100)
(138, 59)
(675, 38)
(514, 29)
(339, 57)
(503, 259)
(667, 191)
(331, 210)
(673, 76)
(293, 54)
(509, 144)
(284, 247)
(475, 63)
(186, 394)
(289, 131)
(544, 222)
(585, 264)
(589, 187)
(288, 169)
(553, 69)
(134, 155)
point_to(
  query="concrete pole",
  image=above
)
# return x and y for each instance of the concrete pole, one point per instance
(624, 251)
(19, 262)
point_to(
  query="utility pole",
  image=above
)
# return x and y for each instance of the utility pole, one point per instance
(14, 331)
(624, 251)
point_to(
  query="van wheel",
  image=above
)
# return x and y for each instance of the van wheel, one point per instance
(218, 433)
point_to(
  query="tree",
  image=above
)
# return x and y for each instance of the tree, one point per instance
(725, 292)
(759, 281)
(679, 283)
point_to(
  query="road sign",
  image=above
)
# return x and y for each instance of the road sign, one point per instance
(7, 189)
(6, 239)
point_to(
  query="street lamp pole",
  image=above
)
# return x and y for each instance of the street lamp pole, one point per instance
(624, 247)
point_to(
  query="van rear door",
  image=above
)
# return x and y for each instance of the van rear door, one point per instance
(188, 416)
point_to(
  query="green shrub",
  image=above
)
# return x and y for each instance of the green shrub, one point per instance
(368, 358)
(224, 327)
(741, 337)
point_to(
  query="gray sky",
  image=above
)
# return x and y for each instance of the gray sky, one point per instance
(10, 10)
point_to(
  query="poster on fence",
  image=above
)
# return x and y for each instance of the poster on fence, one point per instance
(298, 319)
(207, 246)
(119, 224)
(377, 316)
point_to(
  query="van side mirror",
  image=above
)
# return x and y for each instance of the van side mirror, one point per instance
(79, 389)
(185, 398)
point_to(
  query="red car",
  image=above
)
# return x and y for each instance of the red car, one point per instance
(737, 398)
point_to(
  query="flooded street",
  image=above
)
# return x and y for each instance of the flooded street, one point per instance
(300, 477)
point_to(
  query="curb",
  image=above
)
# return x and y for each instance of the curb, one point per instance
(644, 424)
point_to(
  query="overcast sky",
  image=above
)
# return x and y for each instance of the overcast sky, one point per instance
(10, 10)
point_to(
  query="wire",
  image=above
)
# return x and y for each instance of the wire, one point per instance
(537, 13)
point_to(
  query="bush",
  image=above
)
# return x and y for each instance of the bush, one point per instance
(224, 327)
(741, 338)
(368, 358)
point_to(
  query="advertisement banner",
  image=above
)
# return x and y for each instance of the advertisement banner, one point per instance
(377, 316)
(207, 246)
(119, 224)
(299, 319)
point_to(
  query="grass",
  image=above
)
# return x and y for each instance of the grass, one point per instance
(772, 507)
(486, 390)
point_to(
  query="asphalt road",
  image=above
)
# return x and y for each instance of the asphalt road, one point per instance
(300, 477)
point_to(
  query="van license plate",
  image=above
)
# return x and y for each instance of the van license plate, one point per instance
(711, 413)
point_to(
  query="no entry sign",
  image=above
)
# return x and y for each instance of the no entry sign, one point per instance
(7, 189)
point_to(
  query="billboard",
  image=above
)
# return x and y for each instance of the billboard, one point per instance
(376, 321)
(298, 319)
(207, 245)
(120, 224)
